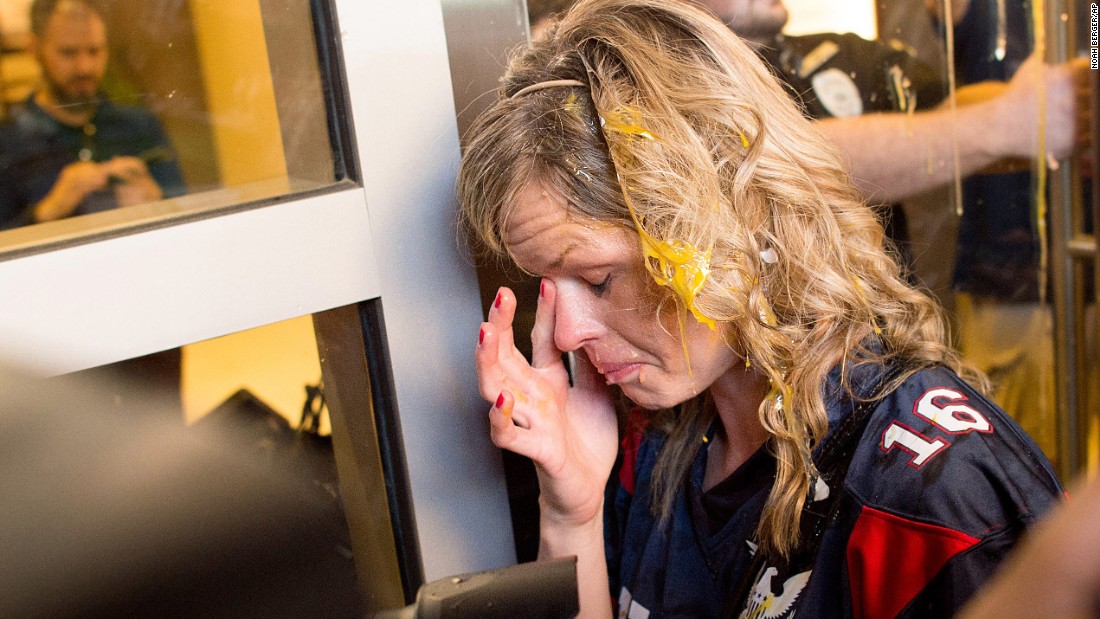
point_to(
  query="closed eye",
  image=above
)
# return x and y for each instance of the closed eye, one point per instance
(602, 287)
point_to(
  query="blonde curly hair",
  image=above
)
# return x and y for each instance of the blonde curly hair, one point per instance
(680, 122)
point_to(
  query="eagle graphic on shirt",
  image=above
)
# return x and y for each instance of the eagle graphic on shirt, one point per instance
(763, 603)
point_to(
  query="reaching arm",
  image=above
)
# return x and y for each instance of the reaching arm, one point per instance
(893, 156)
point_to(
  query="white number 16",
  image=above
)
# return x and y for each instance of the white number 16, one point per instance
(945, 408)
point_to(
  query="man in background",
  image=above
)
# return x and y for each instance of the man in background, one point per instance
(839, 76)
(895, 155)
(67, 150)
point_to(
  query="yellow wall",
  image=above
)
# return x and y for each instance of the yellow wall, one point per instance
(240, 95)
(274, 362)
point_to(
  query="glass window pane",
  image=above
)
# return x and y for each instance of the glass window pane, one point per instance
(112, 107)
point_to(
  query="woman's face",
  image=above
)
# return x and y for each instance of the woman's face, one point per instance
(606, 304)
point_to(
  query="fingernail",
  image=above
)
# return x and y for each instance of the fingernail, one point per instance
(496, 303)
(542, 288)
(481, 335)
(500, 400)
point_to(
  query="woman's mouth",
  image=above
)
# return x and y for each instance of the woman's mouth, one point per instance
(618, 373)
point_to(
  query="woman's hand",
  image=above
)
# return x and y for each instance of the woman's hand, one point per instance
(569, 432)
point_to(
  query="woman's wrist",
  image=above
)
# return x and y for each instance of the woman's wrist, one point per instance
(566, 534)
(591, 510)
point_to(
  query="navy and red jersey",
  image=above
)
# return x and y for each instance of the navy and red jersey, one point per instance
(940, 486)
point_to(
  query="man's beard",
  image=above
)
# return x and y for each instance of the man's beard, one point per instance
(760, 31)
(75, 102)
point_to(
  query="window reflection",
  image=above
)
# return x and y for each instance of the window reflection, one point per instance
(187, 97)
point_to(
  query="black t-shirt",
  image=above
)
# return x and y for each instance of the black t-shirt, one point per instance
(834, 75)
(843, 75)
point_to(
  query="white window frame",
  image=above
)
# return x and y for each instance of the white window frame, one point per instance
(116, 297)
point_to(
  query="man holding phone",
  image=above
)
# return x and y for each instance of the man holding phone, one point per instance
(67, 150)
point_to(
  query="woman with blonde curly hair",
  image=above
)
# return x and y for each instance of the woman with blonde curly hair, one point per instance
(799, 436)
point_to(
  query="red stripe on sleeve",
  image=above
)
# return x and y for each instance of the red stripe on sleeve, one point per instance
(891, 559)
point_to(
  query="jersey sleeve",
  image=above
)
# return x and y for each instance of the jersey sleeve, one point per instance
(903, 79)
(926, 85)
(844, 75)
(945, 484)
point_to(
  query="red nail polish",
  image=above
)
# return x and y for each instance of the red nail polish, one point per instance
(497, 302)
(500, 400)
(481, 335)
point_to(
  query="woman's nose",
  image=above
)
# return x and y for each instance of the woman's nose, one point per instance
(576, 319)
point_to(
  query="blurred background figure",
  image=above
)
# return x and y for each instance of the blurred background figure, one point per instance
(842, 77)
(864, 94)
(68, 150)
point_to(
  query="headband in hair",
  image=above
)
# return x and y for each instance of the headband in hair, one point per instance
(547, 84)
